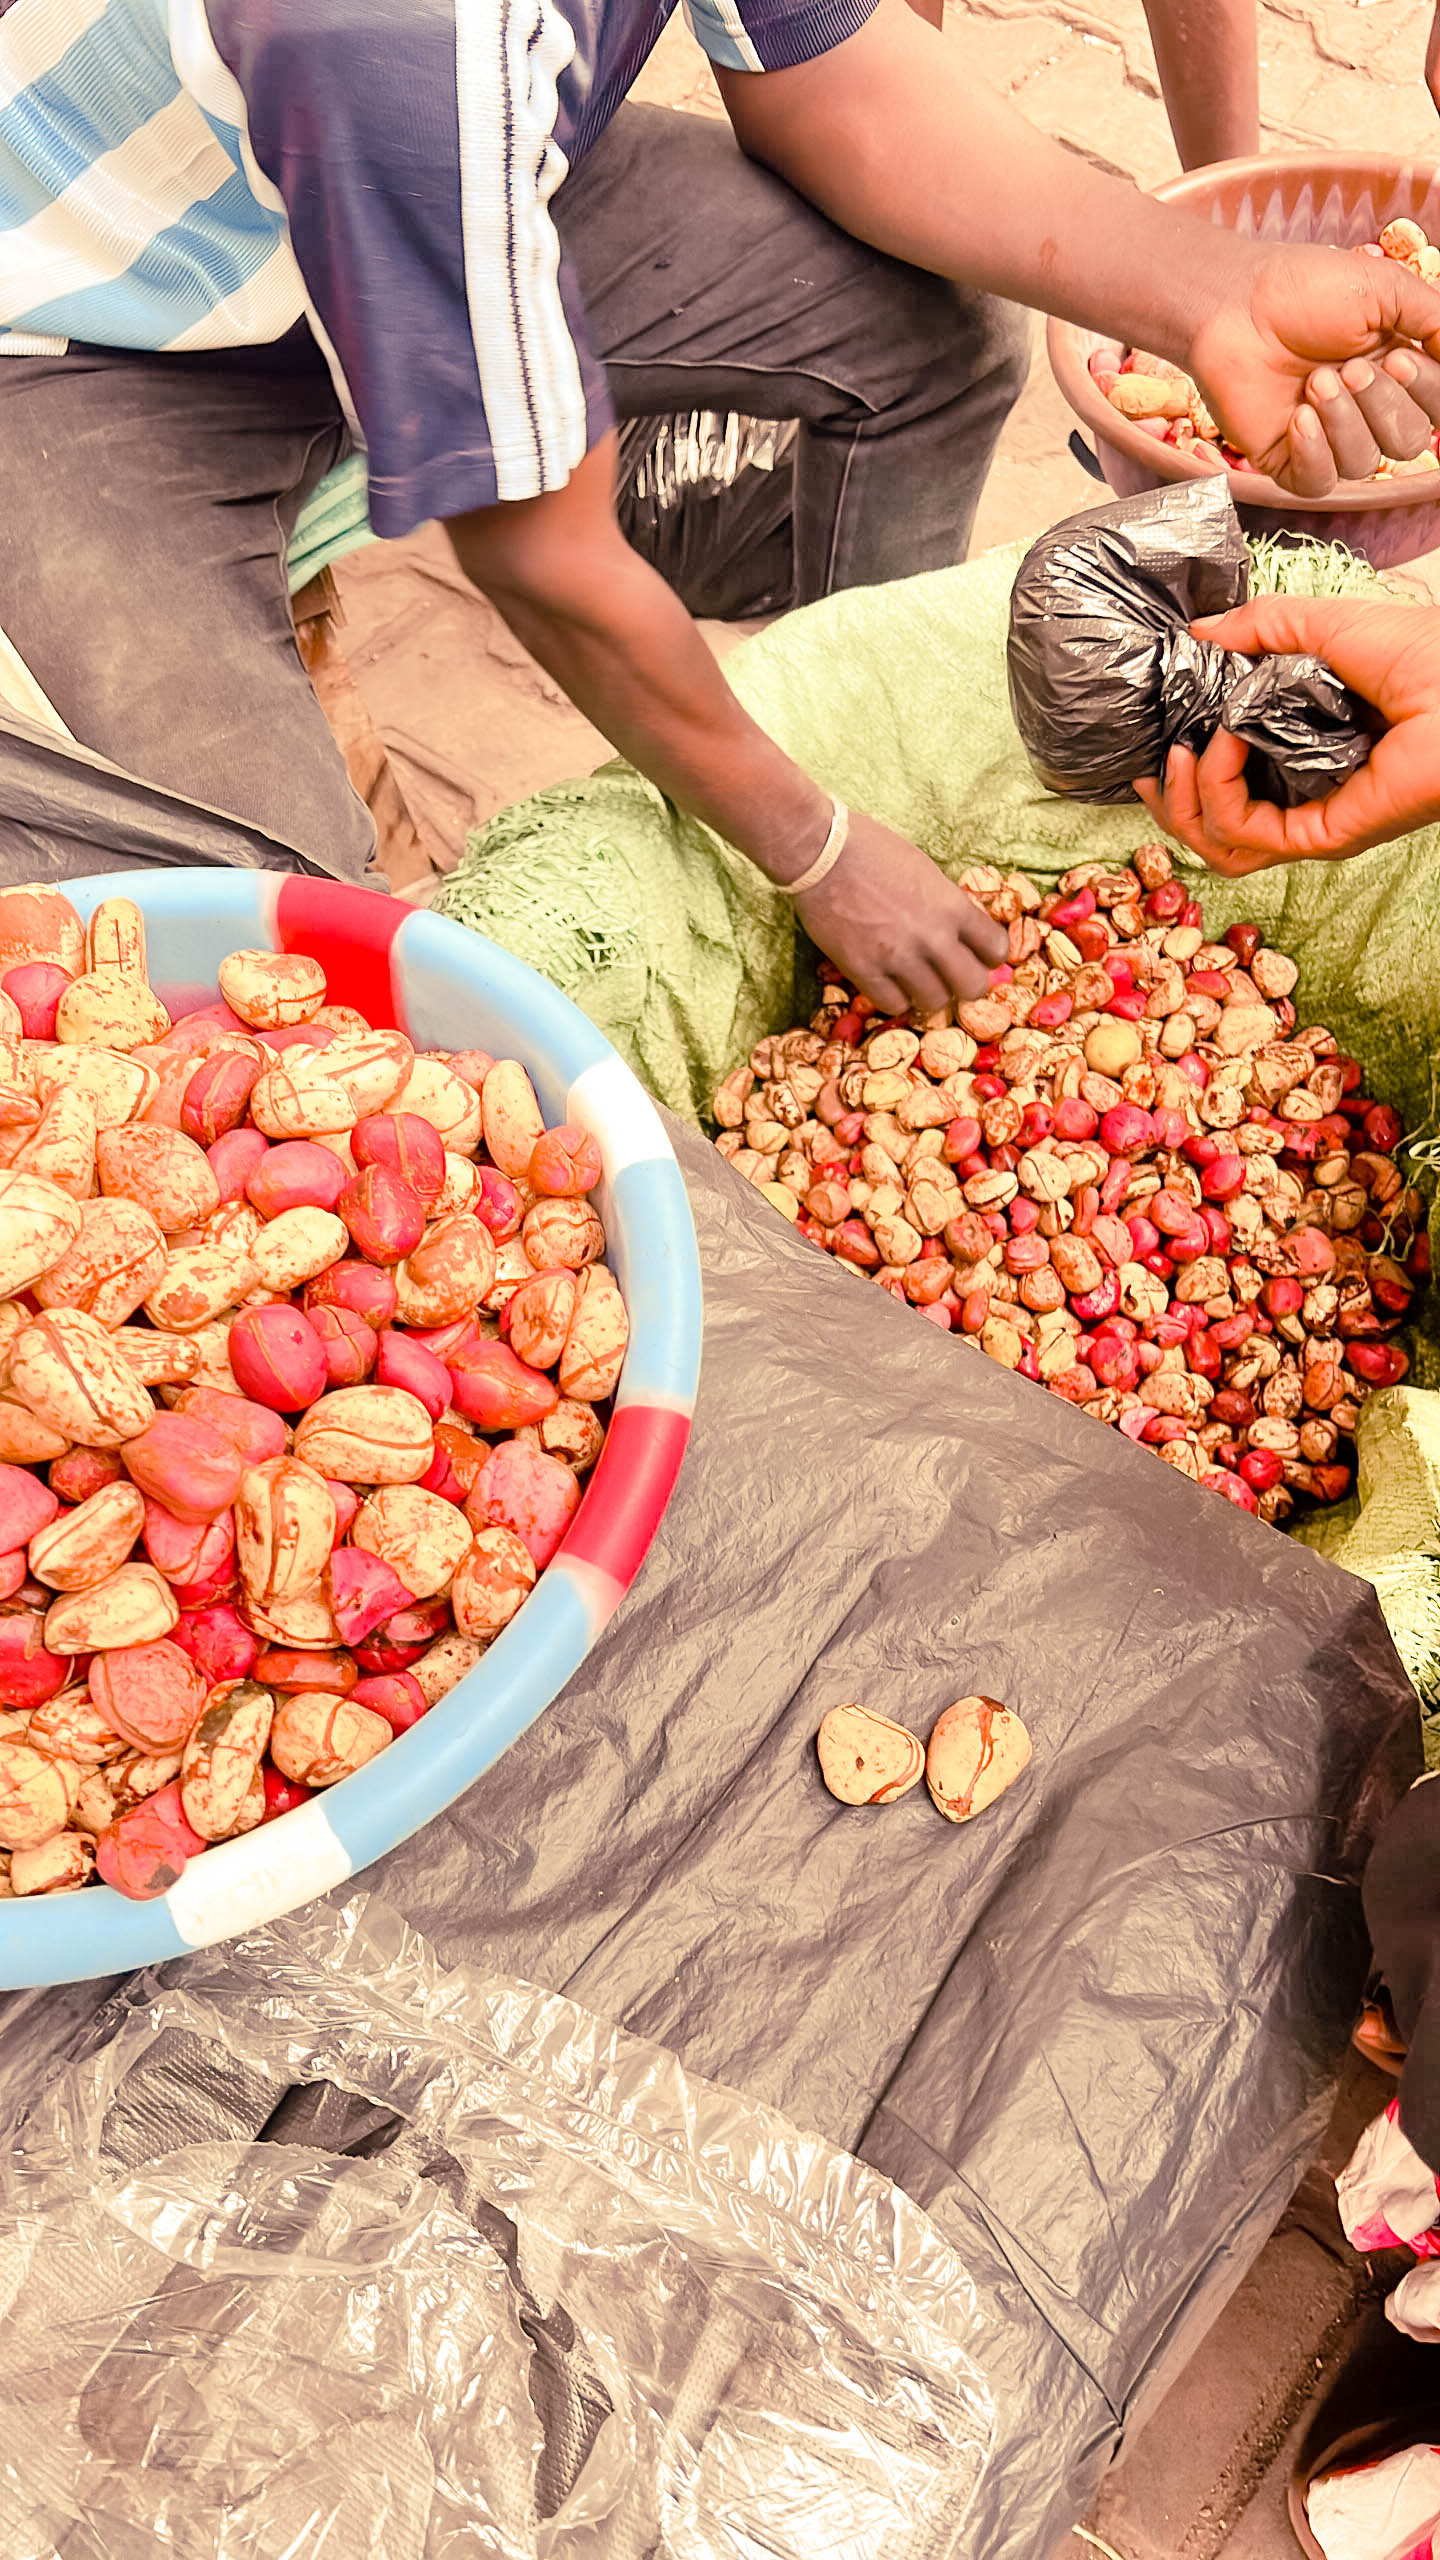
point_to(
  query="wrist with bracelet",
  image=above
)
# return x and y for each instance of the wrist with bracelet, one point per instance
(827, 857)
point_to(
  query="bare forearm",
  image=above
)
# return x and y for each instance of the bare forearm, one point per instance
(986, 197)
(624, 649)
(1207, 55)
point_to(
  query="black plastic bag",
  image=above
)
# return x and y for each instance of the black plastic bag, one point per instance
(1105, 677)
(708, 500)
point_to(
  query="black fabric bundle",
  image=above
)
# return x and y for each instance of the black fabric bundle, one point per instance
(1402, 1908)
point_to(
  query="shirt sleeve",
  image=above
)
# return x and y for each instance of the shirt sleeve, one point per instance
(773, 35)
(415, 154)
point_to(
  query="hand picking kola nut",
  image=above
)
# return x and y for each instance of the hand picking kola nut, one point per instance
(865, 1759)
(257, 1265)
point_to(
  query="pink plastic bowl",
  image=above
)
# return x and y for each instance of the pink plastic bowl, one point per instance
(1343, 200)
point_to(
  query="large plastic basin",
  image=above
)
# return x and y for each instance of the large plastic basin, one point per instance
(1342, 199)
(446, 988)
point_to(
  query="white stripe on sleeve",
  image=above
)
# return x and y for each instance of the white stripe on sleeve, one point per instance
(539, 51)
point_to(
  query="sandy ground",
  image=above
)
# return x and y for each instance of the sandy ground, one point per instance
(471, 723)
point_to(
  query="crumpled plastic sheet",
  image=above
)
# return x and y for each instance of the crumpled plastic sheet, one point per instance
(1095, 2034)
(706, 497)
(1106, 676)
(558, 2298)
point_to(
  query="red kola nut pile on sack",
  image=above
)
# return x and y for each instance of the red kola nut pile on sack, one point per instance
(300, 1360)
(1124, 1172)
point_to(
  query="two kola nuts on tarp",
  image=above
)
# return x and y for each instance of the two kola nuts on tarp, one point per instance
(976, 1749)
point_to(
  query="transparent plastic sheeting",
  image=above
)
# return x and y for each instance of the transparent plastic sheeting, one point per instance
(319, 2250)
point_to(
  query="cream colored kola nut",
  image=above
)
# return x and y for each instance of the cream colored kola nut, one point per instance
(62, 1865)
(39, 923)
(304, 1624)
(140, 1774)
(162, 1170)
(511, 1116)
(26, 1441)
(107, 1009)
(119, 1088)
(199, 1282)
(34, 1799)
(595, 1346)
(38, 1223)
(445, 1665)
(296, 1101)
(491, 1582)
(134, 1606)
(423, 1537)
(297, 1246)
(317, 1738)
(65, 1368)
(71, 1727)
(284, 1530)
(977, 1749)
(448, 1274)
(865, 1759)
(95, 1806)
(223, 1755)
(115, 939)
(372, 1066)
(272, 989)
(117, 1257)
(461, 1183)
(61, 1145)
(89, 1544)
(435, 1093)
(367, 1435)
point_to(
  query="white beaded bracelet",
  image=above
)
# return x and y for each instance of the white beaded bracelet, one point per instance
(825, 860)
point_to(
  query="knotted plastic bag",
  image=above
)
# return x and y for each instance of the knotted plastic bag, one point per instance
(1105, 676)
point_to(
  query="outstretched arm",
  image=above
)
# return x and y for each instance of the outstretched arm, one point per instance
(1207, 53)
(892, 136)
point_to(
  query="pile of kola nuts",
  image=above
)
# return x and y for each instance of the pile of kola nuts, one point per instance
(1162, 401)
(1123, 1172)
(301, 1351)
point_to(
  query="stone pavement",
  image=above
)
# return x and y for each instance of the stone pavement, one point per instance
(472, 723)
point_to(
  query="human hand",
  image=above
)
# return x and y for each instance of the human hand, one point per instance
(1389, 654)
(896, 926)
(1304, 374)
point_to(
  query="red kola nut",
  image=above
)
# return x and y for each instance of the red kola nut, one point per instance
(403, 1638)
(498, 1205)
(1231, 1487)
(143, 1852)
(1115, 1363)
(395, 1695)
(1074, 1120)
(1380, 1364)
(363, 1590)
(36, 988)
(27, 1505)
(186, 1465)
(1126, 1130)
(278, 1358)
(13, 1573)
(962, 1140)
(1095, 1304)
(218, 1642)
(234, 1158)
(1203, 1356)
(440, 1477)
(1282, 1296)
(520, 1488)
(1384, 1127)
(565, 1164)
(348, 1342)
(285, 1667)
(1244, 940)
(82, 1472)
(404, 1145)
(254, 1430)
(1144, 1236)
(1223, 1177)
(217, 1096)
(151, 1694)
(401, 1361)
(347, 1503)
(1311, 1252)
(1262, 1469)
(282, 1795)
(187, 1551)
(385, 1215)
(497, 1391)
(361, 1286)
(1129, 1004)
(472, 1066)
(297, 1174)
(28, 1674)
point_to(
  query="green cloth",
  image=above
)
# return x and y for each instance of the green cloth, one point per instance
(334, 521)
(895, 698)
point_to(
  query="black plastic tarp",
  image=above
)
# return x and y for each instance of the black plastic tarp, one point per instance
(1094, 2033)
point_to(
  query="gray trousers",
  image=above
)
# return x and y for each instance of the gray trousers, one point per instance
(149, 500)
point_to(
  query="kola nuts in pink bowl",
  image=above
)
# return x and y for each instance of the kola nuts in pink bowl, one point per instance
(350, 1341)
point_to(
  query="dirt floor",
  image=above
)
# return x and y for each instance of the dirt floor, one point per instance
(471, 723)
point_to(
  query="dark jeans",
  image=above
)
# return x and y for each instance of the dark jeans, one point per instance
(148, 500)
